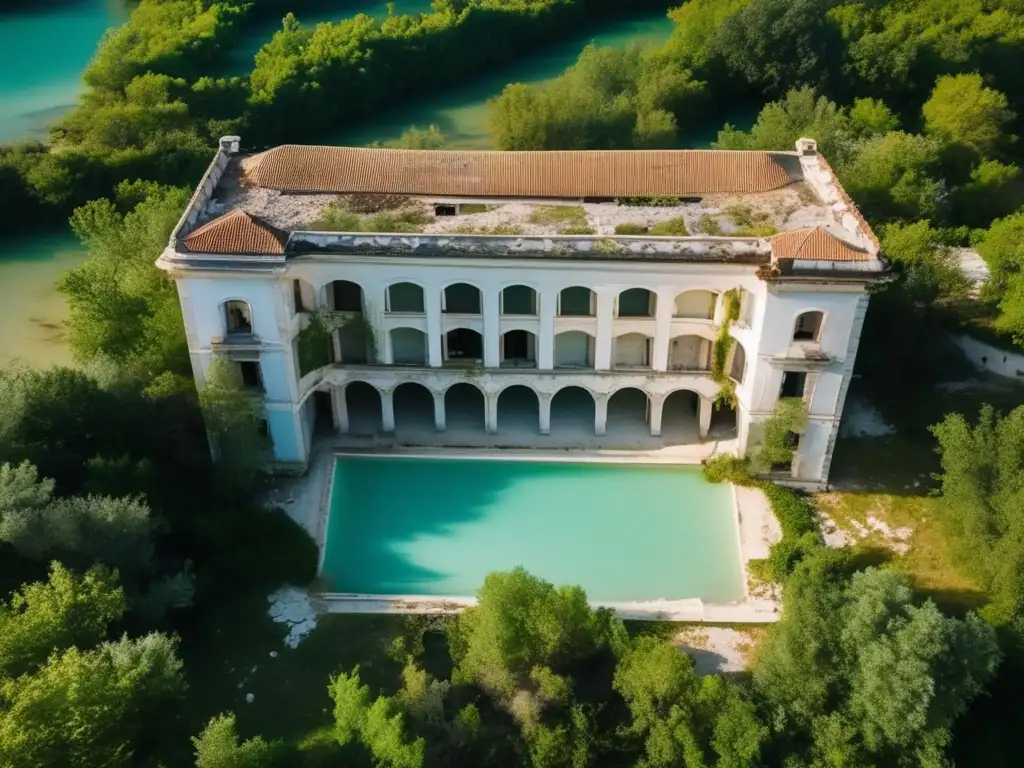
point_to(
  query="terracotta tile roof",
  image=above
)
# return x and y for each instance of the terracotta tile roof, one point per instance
(515, 174)
(236, 233)
(815, 244)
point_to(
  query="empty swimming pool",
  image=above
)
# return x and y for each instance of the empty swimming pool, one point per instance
(437, 526)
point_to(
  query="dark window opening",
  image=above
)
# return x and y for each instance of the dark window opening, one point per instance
(690, 199)
(808, 326)
(598, 199)
(519, 300)
(636, 302)
(517, 345)
(348, 297)
(238, 318)
(576, 302)
(251, 376)
(793, 384)
(464, 344)
(441, 209)
(462, 298)
(297, 296)
(405, 297)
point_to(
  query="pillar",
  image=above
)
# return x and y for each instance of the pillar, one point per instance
(704, 415)
(546, 334)
(662, 331)
(432, 305)
(439, 414)
(600, 415)
(545, 413)
(656, 404)
(387, 411)
(491, 412)
(340, 409)
(492, 329)
(605, 318)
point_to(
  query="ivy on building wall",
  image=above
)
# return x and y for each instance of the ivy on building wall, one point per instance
(778, 446)
(721, 348)
(359, 324)
(314, 345)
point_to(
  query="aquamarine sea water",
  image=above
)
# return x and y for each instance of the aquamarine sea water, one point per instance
(437, 526)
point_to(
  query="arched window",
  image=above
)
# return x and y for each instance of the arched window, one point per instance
(577, 302)
(519, 300)
(637, 302)
(345, 296)
(739, 362)
(808, 326)
(237, 318)
(698, 305)
(405, 297)
(461, 299)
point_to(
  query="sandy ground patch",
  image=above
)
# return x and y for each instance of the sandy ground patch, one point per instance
(896, 538)
(719, 649)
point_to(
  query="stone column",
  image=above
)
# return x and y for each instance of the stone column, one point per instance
(492, 329)
(704, 415)
(491, 412)
(600, 414)
(605, 318)
(387, 410)
(657, 403)
(545, 413)
(432, 304)
(662, 331)
(439, 414)
(340, 409)
(546, 335)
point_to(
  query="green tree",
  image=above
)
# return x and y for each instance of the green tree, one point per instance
(963, 111)
(65, 611)
(777, 448)
(218, 747)
(122, 306)
(232, 421)
(1002, 247)
(865, 673)
(88, 708)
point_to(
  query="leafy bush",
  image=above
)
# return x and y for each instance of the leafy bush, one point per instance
(630, 228)
(218, 747)
(670, 228)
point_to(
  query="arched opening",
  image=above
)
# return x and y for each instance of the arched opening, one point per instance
(689, 353)
(808, 326)
(738, 367)
(408, 346)
(364, 410)
(303, 296)
(637, 302)
(519, 300)
(680, 417)
(632, 350)
(518, 410)
(344, 296)
(629, 413)
(405, 297)
(463, 346)
(353, 344)
(461, 299)
(574, 349)
(723, 421)
(237, 318)
(518, 350)
(414, 407)
(572, 410)
(577, 301)
(697, 305)
(464, 407)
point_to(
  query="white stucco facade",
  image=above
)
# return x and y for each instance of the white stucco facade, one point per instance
(425, 330)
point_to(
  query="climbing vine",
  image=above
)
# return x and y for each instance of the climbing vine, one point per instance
(314, 345)
(723, 344)
(362, 326)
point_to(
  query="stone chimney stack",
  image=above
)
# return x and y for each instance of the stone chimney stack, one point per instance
(804, 146)
(229, 144)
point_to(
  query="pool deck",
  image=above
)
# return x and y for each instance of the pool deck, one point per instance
(307, 501)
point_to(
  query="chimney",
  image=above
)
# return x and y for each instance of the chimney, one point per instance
(229, 144)
(804, 146)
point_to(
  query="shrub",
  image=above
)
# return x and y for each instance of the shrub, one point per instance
(630, 228)
(670, 228)
(726, 468)
(570, 215)
(708, 225)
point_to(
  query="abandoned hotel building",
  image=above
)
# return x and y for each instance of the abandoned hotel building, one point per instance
(563, 299)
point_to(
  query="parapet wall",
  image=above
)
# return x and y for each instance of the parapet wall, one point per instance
(204, 191)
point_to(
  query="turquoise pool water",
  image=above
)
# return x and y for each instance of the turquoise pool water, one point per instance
(437, 526)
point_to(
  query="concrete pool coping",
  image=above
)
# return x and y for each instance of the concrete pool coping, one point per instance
(755, 528)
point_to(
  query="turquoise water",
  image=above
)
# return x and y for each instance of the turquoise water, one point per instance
(429, 526)
(42, 55)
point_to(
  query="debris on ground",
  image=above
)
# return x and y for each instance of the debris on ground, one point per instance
(292, 606)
